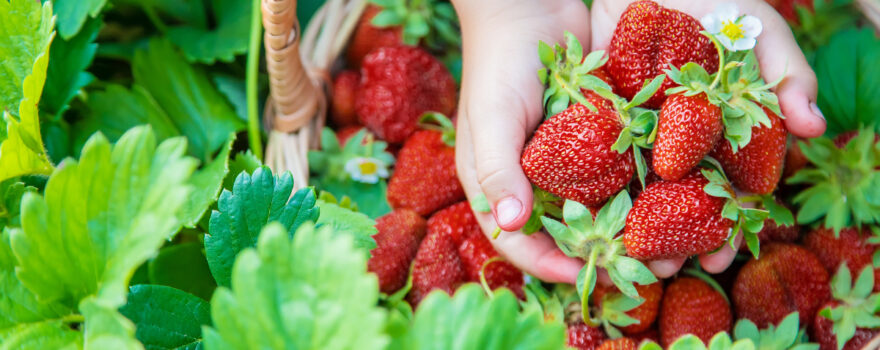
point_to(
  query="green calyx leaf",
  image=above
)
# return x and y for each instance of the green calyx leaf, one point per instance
(720, 341)
(427, 22)
(749, 221)
(692, 78)
(566, 71)
(543, 204)
(787, 335)
(858, 307)
(439, 122)
(842, 184)
(614, 307)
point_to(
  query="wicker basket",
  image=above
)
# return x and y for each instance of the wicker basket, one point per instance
(299, 64)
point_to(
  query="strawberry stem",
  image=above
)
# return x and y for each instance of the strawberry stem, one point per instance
(721, 61)
(585, 297)
(496, 232)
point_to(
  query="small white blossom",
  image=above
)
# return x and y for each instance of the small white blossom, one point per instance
(366, 170)
(736, 32)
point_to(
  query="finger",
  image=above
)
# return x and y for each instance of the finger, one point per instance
(666, 268)
(780, 56)
(719, 261)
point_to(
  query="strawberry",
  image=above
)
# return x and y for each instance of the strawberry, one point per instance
(645, 313)
(345, 87)
(583, 337)
(692, 306)
(675, 219)
(424, 178)
(773, 232)
(619, 344)
(786, 8)
(687, 129)
(850, 320)
(648, 39)
(476, 252)
(345, 133)
(437, 264)
(570, 156)
(397, 242)
(851, 247)
(785, 279)
(398, 85)
(795, 160)
(823, 333)
(368, 37)
(757, 167)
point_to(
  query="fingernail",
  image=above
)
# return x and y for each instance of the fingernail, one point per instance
(507, 210)
(815, 108)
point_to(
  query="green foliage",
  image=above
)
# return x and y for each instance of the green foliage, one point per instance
(827, 18)
(720, 341)
(785, 336)
(25, 35)
(470, 320)
(429, 22)
(849, 80)
(167, 318)
(255, 200)
(72, 14)
(66, 75)
(566, 72)
(184, 267)
(227, 39)
(858, 307)
(309, 293)
(11, 192)
(747, 220)
(844, 184)
(209, 181)
(346, 221)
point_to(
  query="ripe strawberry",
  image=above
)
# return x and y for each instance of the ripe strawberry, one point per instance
(598, 101)
(794, 159)
(648, 39)
(583, 337)
(570, 156)
(437, 264)
(785, 279)
(646, 313)
(424, 178)
(823, 333)
(619, 344)
(675, 219)
(757, 167)
(851, 247)
(777, 233)
(688, 128)
(367, 37)
(398, 85)
(344, 134)
(397, 242)
(692, 306)
(786, 8)
(345, 87)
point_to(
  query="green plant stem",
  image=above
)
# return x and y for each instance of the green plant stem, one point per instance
(73, 318)
(154, 18)
(255, 138)
(585, 297)
(721, 63)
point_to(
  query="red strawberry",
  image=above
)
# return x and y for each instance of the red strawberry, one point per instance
(795, 159)
(675, 219)
(776, 233)
(619, 344)
(346, 133)
(583, 337)
(398, 85)
(823, 333)
(757, 167)
(692, 306)
(648, 39)
(785, 279)
(851, 247)
(598, 101)
(646, 313)
(437, 264)
(786, 8)
(688, 128)
(368, 37)
(397, 241)
(345, 87)
(424, 178)
(570, 156)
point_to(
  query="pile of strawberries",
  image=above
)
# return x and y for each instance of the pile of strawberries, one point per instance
(666, 146)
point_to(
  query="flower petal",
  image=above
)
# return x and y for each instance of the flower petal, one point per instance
(752, 26)
(743, 44)
(727, 11)
(724, 40)
(711, 23)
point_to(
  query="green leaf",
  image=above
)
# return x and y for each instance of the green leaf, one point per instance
(480, 204)
(207, 184)
(25, 34)
(188, 97)
(242, 162)
(226, 40)
(348, 222)
(67, 69)
(779, 213)
(72, 14)
(167, 318)
(105, 327)
(648, 89)
(242, 213)
(184, 267)
(370, 199)
(51, 334)
(299, 294)
(11, 192)
(70, 247)
(470, 320)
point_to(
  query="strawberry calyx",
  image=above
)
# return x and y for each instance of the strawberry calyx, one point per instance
(438, 122)
(747, 220)
(844, 182)
(597, 241)
(721, 341)
(542, 301)
(566, 71)
(784, 336)
(612, 313)
(858, 307)
(430, 22)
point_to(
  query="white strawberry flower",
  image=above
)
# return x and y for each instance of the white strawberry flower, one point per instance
(735, 31)
(366, 170)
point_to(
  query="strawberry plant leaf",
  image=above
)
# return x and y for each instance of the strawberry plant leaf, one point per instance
(106, 328)
(11, 192)
(348, 222)
(298, 294)
(207, 184)
(67, 69)
(787, 335)
(226, 40)
(135, 190)
(779, 213)
(25, 34)
(470, 320)
(72, 14)
(242, 162)
(183, 267)
(116, 109)
(167, 318)
(255, 200)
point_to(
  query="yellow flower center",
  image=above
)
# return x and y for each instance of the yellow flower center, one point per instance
(732, 30)
(368, 168)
